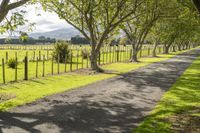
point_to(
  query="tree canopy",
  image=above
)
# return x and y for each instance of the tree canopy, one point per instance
(170, 23)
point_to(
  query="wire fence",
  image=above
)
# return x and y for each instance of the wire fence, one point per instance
(40, 63)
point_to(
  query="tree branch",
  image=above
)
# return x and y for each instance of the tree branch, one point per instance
(17, 4)
(197, 4)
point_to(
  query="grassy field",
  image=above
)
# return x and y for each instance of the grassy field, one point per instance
(108, 55)
(29, 91)
(179, 109)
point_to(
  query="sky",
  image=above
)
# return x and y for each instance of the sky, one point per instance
(46, 21)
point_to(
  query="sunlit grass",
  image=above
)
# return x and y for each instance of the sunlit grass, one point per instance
(29, 91)
(183, 97)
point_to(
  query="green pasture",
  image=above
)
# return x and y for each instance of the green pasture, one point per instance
(29, 91)
(48, 67)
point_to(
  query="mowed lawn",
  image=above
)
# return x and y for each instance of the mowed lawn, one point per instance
(179, 109)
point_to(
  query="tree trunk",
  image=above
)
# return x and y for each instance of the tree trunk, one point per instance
(187, 46)
(166, 49)
(134, 57)
(2, 15)
(183, 46)
(94, 64)
(179, 48)
(174, 49)
(94, 58)
(154, 49)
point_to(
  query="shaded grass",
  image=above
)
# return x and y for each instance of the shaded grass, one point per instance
(181, 103)
(32, 90)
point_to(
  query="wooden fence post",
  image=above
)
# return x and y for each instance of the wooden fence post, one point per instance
(124, 53)
(77, 61)
(103, 56)
(3, 71)
(27, 54)
(120, 53)
(131, 52)
(47, 54)
(82, 62)
(37, 67)
(58, 62)
(110, 53)
(87, 65)
(65, 63)
(16, 66)
(6, 56)
(99, 57)
(113, 54)
(106, 54)
(117, 57)
(148, 51)
(159, 50)
(26, 68)
(52, 66)
(34, 55)
(71, 61)
(43, 66)
(39, 55)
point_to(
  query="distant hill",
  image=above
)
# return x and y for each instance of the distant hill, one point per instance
(63, 34)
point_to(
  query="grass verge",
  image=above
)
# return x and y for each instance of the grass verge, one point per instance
(179, 109)
(29, 91)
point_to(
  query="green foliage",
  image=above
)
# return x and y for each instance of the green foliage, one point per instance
(10, 24)
(79, 40)
(12, 63)
(95, 19)
(61, 52)
(23, 36)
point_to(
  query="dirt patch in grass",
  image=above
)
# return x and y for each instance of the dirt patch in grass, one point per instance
(6, 96)
(186, 122)
(92, 72)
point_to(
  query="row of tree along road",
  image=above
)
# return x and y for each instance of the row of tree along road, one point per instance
(171, 23)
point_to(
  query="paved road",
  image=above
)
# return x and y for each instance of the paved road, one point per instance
(115, 105)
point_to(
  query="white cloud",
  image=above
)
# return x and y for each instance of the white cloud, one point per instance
(45, 21)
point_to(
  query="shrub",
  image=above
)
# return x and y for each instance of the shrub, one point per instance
(61, 51)
(85, 53)
(12, 63)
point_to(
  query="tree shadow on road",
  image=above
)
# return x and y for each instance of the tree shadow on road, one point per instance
(80, 117)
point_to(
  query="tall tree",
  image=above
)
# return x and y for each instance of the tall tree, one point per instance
(23, 36)
(178, 30)
(95, 19)
(138, 28)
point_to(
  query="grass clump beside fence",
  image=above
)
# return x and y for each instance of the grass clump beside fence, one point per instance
(61, 52)
(12, 63)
